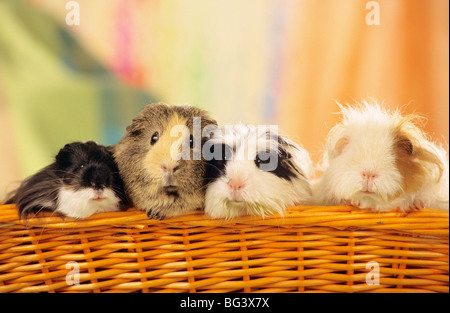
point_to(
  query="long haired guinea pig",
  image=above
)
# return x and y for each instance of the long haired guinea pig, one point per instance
(380, 160)
(82, 180)
(160, 159)
(254, 172)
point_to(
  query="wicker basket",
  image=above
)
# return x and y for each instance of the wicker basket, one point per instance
(310, 249)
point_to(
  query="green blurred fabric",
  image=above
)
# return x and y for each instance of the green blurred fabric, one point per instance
(54, 91)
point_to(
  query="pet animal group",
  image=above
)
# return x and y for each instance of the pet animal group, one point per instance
(176, 159)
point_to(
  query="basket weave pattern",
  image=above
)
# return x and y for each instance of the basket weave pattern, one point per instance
(310, 249)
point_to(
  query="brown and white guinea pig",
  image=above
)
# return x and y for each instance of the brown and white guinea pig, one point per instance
(254, 172)
(160, 159)
(82, 180)
(378, 159)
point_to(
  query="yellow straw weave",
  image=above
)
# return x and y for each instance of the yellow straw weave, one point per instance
(310, 249)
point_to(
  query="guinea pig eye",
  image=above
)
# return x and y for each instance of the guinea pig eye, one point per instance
(78, 167)
(262, 158)
(154, 138)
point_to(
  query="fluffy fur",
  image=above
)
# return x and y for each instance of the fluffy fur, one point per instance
(154, 178)
(82, 180)
(378, 159)
(84, 202)
(238, 186)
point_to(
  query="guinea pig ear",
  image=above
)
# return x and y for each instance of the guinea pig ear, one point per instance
(340, 145)
(136, 127)
(209, 124)
(63, 158)
(405, 145)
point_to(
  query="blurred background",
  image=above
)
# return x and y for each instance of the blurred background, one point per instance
(80, 70)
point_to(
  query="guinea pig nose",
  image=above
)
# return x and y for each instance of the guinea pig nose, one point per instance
(369, 175)
(98, 185)
(235, 184)
(169, 168)
(98, 192)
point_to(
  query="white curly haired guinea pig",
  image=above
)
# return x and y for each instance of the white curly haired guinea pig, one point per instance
(255, 172)
(378, 159)
(160, 159)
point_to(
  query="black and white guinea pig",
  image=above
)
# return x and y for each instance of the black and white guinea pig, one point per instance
(380, 160)
(255, 173)
(82, 180)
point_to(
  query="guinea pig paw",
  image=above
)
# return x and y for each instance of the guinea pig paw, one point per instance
(353, 203)
(155, 215)
(160, 216)
(417, 206)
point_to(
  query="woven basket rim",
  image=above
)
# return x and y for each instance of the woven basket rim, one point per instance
(424, 222)
(309, 249)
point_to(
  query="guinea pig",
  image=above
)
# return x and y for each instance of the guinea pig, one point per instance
(255, 172)
(160, 159)
(82, 180)
(380, 160)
